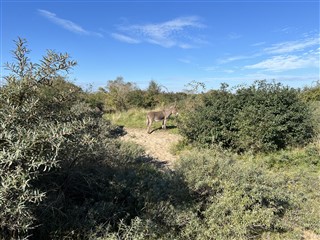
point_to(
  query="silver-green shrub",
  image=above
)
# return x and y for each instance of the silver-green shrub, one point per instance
(44, 129)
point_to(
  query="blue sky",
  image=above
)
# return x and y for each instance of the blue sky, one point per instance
(171, 42)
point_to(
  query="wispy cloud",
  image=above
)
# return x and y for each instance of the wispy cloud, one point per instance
(290, 55)
(173, 33)
(236, 58)
(67, 24)
(281, 56)
(287, 62)
(124, 38)
(286, 30)
(258, 44)
(292, 46)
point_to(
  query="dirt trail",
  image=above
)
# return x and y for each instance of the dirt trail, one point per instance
(157, 144)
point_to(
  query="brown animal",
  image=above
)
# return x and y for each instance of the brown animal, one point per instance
(160, 116)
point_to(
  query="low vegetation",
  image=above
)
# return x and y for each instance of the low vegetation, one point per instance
(251, 170)
(133, 118)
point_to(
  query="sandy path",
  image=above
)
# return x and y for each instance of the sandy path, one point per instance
(157, 144)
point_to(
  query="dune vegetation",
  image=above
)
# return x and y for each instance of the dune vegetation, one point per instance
(247, 168)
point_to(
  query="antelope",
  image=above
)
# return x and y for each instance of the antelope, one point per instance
(160, 116)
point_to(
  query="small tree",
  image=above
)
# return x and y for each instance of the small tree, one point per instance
(118, 93)
(152, 94)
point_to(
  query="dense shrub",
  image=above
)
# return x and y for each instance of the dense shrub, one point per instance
(243, 200)
(262, 117)
(30, 140)
(45, 133)
(211, 121)
(96, 100)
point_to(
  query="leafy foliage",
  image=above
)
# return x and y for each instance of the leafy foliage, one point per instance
(262, 117)
(44, 131)
(118, 93)
(235, 201)
(30, 141)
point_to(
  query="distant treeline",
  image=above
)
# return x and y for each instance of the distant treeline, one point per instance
(120, 95)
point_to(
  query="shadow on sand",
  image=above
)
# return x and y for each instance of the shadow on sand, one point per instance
(160, 128)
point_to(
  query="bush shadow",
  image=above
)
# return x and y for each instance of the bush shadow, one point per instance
(106, 193)
(160, 128)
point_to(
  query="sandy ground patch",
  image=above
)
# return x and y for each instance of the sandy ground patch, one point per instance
(157, 144)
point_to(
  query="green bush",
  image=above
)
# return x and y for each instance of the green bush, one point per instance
(235, 200)
(262, 117)
(210, 122)
(96, 100)
(30, 141)
(45, 134)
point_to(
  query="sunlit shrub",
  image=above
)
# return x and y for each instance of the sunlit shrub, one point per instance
(262, 117)
(235, 200)
(45, 133)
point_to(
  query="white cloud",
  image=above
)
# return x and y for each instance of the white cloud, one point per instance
(169, 28)
(185, 45)
(283, 56)
(235, 58)
(67, 24)
(166, 34)
(124, 38)
(258, 44)
(286, 62)
(293, 46)
(286, 30)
